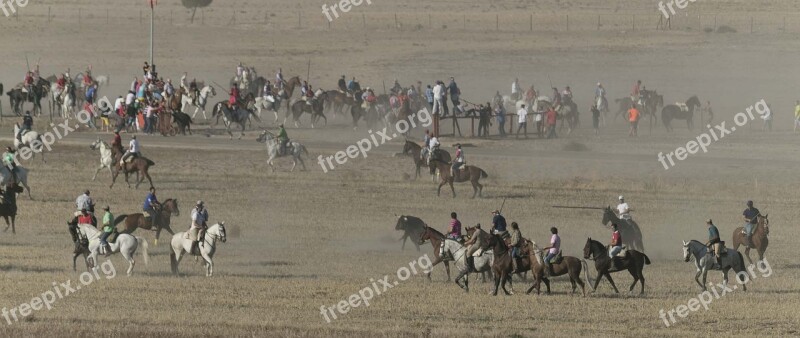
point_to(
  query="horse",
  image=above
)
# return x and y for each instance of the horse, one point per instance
(469, 173)
(262, 103)
(759, 238)
(501, 265)
(704, 261)
(184, 122)
(202, 100)
(458, 253)
(21, 174)
(175, 102)
(162, 221)
(315, 109)
(27, 140)
(124, 244)
(106, 156)
(296, 149)
(437, 239)
(8, 206)
(288, 89)
(634, 261)
(68, 100)
(412, 227)
(414, 150)
(568, 265)
(139, 165)
(628, 229)
(336, 100)
(437, 154)
(674, 112)
(18, 97)
(568, 112)
(181, 245)
(229, 117)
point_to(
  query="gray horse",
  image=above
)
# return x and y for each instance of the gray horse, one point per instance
(295, 149)
(229, 117)
(704, 261)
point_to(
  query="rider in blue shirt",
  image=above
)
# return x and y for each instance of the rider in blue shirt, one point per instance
(151, 205)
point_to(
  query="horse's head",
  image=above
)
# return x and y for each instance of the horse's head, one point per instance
(587, 249)
(686, 253)
(171, 206)
(608, 215)
(263, 137)
(212, 91)
(95, 144)
(218, 231)
(693, 102)
(763, 222)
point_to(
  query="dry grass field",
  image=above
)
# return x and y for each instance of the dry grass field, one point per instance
(302, 240)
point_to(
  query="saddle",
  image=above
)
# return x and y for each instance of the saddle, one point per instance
(683, 107)
(622, 253)
(557, 258)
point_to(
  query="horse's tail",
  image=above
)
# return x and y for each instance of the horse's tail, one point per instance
(484, 174)
(646, 259)
(119, 219)
(150, 162)
(144, 244)
(586, 273)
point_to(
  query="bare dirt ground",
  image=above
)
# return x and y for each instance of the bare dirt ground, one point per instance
(310, 239)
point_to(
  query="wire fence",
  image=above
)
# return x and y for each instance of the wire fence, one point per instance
(90, 17)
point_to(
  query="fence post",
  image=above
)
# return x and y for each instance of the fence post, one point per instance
(48, 15)
(531, 21)
(202, 17)
(395, 21)
(497, 22)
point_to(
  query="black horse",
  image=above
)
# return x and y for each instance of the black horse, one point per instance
(240, 116)
(8, 206)
(628, 229)
(674, 112)
(315, 108)
(634, 261)
(18, 98)
(184, 122)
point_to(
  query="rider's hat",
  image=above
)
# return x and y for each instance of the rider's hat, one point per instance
(106, 208)
(621, 197)
(86, 192)
(77, 213)
(199, 202)
(708, 221)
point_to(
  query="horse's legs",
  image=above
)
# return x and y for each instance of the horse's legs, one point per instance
(504, 278)
(98, 171)
(547, 284)
(209, 265)
(608, 277)
(697, 279)
(8, 225)
(439, 190)
(147, 174)
(13, 226)
(447, 268)
(747, 253)
(452, 188)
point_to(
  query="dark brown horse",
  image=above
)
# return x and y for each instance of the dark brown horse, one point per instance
(8, 206)
(759, 238)
(568, 265)
(162, 221)
(436, 238)
(634, 261)
(502, 266)
(174, 102)
(631, 234)
(469, 173)
(336, 100)
(140, 165)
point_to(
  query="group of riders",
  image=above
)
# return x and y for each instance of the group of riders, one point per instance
(431, 149)
(151, 209)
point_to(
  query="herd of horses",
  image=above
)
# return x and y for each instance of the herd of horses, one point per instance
(494, 256)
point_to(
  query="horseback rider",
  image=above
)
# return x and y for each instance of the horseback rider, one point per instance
(473, 244)
(193, 88)
(234, 98)
(396, 88)
(27, 125)
(714, 242)
(267, 91)
(514, 244)
(279, 79)
(108, 228)
(116, 143)
(342, 85)
(304, 89)
(554, 248)
(283, 138)
(459, 160)
(426, 140)
(133, 151)
(433, 146)
(616, 242)
(515, 89)
(499, 224)
(10, 162)
(556, 99)
(198, 228)
(750, 221)
(623, 210)
(27, 84)
(636, 92)
(309, 95)
(600, 96)
(169, 90)
(454, 229)
(351, 86)
(151, 207)
(566, 95)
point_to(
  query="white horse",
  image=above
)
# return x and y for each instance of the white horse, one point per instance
(22, 177)
(704, 261)
(205, 93)
(66, 101)
(125, 244)
(27, 141)
(102, 80)
(265, 104)
(106, 157)
(181, 245)
(295, 149)
(459, 252)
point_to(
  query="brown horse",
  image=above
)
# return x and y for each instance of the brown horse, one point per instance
(162, 221)
(436, 238)
(414, 150)
(568, 265)
(502, 266)
(287, 91)
(139, 165)
(759, 238)
(336, 100)
(469, 173)
(174, 102)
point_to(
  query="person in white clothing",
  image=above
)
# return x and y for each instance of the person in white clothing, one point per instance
(433, 145)
(623, 209)
(515, 91)
(438, 93)
(199, 226)
(133, 150)
(522, 115)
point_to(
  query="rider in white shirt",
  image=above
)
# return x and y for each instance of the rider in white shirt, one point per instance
(433, 144)
(623, 210)
(133, 150)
